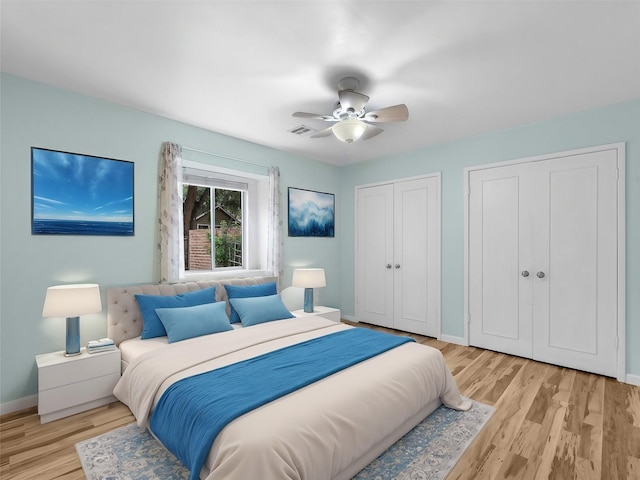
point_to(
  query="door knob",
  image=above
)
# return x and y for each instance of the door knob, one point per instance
(525, 273)
(397, 265)
(540, 274)
(388, 265)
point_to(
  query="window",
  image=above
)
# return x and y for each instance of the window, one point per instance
(212, 227)
(222, 219)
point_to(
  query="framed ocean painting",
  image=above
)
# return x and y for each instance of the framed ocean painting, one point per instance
(311, 214)
(75, 194)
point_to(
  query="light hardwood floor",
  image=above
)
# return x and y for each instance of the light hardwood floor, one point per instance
(550, 423)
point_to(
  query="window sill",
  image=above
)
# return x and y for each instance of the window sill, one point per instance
(219, 275)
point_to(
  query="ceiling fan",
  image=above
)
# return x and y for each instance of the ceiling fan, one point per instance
(352, 121)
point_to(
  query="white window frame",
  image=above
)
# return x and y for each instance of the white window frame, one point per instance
(254, 221)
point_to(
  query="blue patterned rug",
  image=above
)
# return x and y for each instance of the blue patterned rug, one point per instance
(428, 452)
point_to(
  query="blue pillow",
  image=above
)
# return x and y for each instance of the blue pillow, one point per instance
(254, 310)
(152, 326)
(247, 291)
(188, 322)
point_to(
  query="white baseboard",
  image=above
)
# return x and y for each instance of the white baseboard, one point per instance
(351, 318)
(454, 339)
(19, 404)
(633, 379)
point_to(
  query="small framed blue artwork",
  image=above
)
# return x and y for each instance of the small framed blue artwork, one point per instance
(75, 194)
(311, 214)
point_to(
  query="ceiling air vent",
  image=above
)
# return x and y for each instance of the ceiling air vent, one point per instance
(303, 131)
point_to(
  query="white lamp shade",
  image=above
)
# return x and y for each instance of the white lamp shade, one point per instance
(72, 300)
(308, 278)
(349, 131)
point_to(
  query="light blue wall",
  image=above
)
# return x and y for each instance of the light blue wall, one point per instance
(33, 114)
(615, 123)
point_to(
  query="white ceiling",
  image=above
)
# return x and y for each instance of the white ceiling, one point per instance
(242, 68)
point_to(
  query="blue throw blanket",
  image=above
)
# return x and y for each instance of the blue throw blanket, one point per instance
(192, 411)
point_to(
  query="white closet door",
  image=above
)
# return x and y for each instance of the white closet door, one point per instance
(375, 255)
(575, 247)
(500, 259)
(417, 256)
(556, 219)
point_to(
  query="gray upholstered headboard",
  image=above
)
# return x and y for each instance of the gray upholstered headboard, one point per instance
(124, 319)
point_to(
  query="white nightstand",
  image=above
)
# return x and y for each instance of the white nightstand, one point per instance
(320, 311)
(68, 385)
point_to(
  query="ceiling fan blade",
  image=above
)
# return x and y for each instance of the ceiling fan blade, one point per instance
(317, 116)
(322, 133)
(351, 99)
(396, 113)
(371, 132)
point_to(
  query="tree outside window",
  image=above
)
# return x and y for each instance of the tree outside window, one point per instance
(212, 227)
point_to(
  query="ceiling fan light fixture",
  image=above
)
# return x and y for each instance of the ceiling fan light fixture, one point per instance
(349, 131)
(352, 121)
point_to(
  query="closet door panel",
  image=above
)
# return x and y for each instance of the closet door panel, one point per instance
(575, 245)
(410, 267)
(571, 247)
(374, 252)
(499, 233)
(416, 257)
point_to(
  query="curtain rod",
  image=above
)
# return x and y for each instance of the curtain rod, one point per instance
(226, 157)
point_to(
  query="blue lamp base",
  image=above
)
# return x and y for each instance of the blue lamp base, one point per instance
(308, 300)
(73, 337)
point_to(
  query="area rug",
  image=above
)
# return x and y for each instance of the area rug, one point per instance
(428, 452)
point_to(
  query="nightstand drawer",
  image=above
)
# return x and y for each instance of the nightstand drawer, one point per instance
(73, 394)
(69, 370)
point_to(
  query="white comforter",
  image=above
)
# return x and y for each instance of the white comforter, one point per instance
(328, 430)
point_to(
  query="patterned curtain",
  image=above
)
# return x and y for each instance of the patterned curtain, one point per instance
(171, 244)
(274, 253)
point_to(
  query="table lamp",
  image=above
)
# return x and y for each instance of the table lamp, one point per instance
(308, 278)
(71, 301)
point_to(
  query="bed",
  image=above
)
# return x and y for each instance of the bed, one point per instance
(328, 429)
